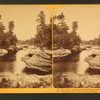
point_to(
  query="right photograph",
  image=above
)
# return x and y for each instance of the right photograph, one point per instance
(76, 47)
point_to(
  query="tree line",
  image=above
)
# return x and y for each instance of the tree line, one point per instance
(7, 38)
(94, 42)
(61, 36)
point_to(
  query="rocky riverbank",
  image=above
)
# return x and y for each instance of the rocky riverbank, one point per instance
(90, 78)
(94, 59)
(11, 80)
(10, 50)
(38, 59)
(61, 53)
(34, 71)
(73, 80)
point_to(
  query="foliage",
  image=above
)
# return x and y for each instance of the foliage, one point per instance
(7, 38)
(61, 36)
(43, 37)
(95, 42)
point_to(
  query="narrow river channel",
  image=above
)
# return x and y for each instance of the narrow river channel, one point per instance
(74, 63)
(12, 63)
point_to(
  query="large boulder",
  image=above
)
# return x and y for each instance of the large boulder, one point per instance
(76, 49)
(12, 49)
(95, 62)
(59, 53)
(82, 48)
(38, 59)
(3, 52)
(46, 54)
(39, 63)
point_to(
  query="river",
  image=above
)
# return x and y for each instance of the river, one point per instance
(74, 63)
(12, 63)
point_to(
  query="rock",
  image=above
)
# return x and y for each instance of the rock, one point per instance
(25, 46)
(19, 47)
(95, 62)
(12, 80)
(36, 62)
(88, 58)
(38, 59)
(34, 51)
(88, 46)
(82, 48)
(3, 52)
(95, 53)
(76, 49)
(59, 53)
(73, 80)
(43, 53)
(12, 49)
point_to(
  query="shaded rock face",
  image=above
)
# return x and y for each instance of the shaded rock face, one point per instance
(38, 59)
(72, 80)
(3, 52)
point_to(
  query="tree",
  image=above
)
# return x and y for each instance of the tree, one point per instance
(41, 21)
(75, 26)
(60, 31)
(43, 37)
(75, 38)
(11, 26)
(2, 27)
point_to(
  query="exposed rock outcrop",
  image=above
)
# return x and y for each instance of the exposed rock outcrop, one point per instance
(59, 53)
(12, 49)
(94, 60)
(38, 59)
(3, 52)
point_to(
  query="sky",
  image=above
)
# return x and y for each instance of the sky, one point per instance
(88, 18)
(24, 17)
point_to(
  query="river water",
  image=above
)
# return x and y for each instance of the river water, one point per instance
(74, 63)
(12, 63)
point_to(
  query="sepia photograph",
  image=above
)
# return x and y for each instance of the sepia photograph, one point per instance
(25, 47)
(76, 47)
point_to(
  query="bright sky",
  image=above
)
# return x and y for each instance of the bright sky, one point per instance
(24, 17)
(88, 18)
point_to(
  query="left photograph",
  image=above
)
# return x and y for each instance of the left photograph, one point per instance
(25, 47)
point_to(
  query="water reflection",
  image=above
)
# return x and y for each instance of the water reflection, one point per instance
(73, 63)
(12, 62)
(35, 71)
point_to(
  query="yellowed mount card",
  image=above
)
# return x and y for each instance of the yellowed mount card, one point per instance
(49, 49)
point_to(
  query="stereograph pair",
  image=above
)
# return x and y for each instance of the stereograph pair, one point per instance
(41, 50)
